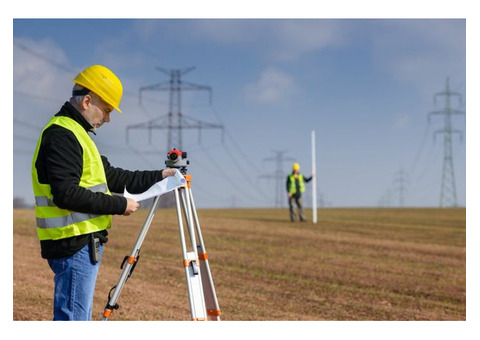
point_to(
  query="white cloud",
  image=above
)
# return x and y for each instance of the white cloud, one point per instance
(273, 86)
(421, 52)
(34, 69)
(41, 78)
(297, 37)
(277, 39)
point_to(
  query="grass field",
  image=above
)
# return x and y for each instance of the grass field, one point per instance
(354, 264)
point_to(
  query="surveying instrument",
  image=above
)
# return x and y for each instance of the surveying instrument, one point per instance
(201, 291)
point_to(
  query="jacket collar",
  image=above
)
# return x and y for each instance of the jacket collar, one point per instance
(68, 110)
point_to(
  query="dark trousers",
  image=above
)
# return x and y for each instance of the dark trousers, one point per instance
(298, 201)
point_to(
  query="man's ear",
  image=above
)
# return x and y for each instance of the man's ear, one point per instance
(86, 101)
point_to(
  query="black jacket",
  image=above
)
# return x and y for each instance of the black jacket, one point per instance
(60, 164)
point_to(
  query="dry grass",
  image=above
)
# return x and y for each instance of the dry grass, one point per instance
(354, 264)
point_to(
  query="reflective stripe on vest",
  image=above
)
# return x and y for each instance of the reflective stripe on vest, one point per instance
(292, 189)
(73, 217)
(43, 201)
(56, 223)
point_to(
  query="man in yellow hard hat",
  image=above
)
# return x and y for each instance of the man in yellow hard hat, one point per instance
(72, 184)
(295, 187)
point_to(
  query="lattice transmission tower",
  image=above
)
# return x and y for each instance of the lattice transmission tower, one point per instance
(400, 183)
(279, 176)
(174, 121)
(448, 191)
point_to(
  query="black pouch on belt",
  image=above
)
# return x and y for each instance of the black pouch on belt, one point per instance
(94, 248)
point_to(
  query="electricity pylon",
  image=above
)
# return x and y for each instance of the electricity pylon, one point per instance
(448, 191)
(175, 121)
(400, 182)
(279, 176)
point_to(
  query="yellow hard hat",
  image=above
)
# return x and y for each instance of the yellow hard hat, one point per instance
(103, 82)
(296, 166)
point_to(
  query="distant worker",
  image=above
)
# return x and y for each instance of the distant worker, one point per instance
(72, 185)
(295, 188)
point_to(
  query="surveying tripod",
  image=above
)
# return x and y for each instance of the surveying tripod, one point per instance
(201, 291)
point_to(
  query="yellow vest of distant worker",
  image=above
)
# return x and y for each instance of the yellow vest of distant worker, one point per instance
(292, 189)
(54, 223)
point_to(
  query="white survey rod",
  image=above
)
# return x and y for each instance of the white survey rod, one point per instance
(314, 174)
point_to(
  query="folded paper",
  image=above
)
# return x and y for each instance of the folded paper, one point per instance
(160, 188)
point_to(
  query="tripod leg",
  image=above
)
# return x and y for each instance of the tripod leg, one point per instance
(186, 213)
(211, 302)
(190, 263)
(190, 222)
(129, 264)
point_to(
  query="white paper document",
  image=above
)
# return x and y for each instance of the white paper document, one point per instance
(166, 185)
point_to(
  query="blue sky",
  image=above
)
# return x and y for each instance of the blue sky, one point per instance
(365, 86)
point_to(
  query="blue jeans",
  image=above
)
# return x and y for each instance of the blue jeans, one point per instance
(75, 278)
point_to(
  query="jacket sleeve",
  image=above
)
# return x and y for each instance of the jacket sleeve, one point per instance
(63, 161)
(135, 181)
(307, 179)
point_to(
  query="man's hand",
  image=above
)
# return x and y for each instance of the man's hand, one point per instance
(290, 195)
(168, 172)
(132, 206)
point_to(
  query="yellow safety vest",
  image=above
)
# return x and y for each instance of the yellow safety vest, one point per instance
(292, 189)
(54, 223)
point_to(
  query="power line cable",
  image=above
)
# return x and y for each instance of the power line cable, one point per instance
(430, 157)
(227, 131)
(64, 68)
(420, 150)
(203, 191)
(230, 154)
(55, 63)
(252, 164)
(233, 183)
(215, 170)
(247, 178)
